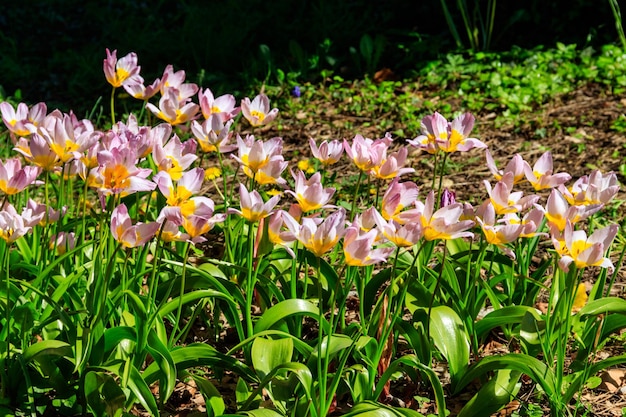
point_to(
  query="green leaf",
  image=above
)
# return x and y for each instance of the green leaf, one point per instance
(288, 308)
(526, 364)
(493, 395)
(104, 396)
(449, 336)
(46, 348)
(212, 398)
(141, 391)
(267, 354)
(301, 371)
(502, 317)
(200, 354)
(162, 357)
(374, 409)
(603, 306)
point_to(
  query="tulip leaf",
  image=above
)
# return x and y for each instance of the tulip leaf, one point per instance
(449, 336)
(104, 396)
(493, 395)
(46, 348)
(267, 354)
(603, 306)
(215, 405)
(374, 409)
(502, 317)
(163, 359)
(141, 391)
(287, 308)
(526, 364)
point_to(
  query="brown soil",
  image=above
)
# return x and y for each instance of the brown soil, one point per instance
(576, 128)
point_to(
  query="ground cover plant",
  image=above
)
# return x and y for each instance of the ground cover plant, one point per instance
(319, 291)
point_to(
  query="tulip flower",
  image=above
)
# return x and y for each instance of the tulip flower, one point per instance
(310, 194)
(222, 108)
(271, 172)
(117, 72)
(541, 177)
(558, 212)
(63, 242)
(172, 157)
(201, 220)
(444, 223)
(253, 208)
(322, 237)
(14, 178)
(358, 247)
(118, 174)
(458, 140)
(171, 233)
(256, 155)
(137, 89)
(401, 235)
(283, 229)
(22, 121)
(12, 225)
(398, 196)
(366, 153)
(213, 134)
(516, 165)
(176, 80)
(594, 188)
(392, 166)
(585, 251)
(180, 195)
(127, 234)
(433, 128)
(504, 200)
(498, 234)
(327, 153)
(258, 111)
(174, 109)
(65, 140)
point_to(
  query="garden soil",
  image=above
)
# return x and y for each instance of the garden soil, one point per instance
(576, 128)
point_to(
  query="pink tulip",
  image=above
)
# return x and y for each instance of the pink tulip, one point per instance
(258, 111)
(541, 177)
(12, 225)
(310, 194)
(585, 251)
(127, 234)
(22, 121)
(14, 178)
(358, 247)
(516, 165)
(222, 108)
(327, 153)
(322, 237)
(594, 188)
(117, 72)
(213, 134)
(253, 208)
(174, 108)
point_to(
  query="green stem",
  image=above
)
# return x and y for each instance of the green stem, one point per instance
(179, 309)
(113, 107)
(354, 197)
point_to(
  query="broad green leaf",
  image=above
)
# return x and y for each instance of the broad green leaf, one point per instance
(288, 308)
(493, 395)
(162, 357)
(374, 409)
(357, 378)
(300, 345)
(526, 364)
(267, 354)
(502, 317)
(449, 336)
(413, 362)
(141, 391)
(603, 306)
(114, 335)
(301, 371)
(532, 331)
(200, 354)
(263, 412)
(332, 344)
(104, 396)
(212, 398)
(46, 348)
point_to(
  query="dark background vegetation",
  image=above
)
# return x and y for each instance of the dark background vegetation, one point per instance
(52, 50)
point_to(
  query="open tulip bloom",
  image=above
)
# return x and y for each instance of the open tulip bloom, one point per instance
(22, 121)
(127, 234)
(118, 72)
(253, 208)
(327, 153)
(585, 251)
(257, 111)
(310, 194)
(541, 177)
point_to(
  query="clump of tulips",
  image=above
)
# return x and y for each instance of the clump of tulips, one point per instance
(105, 274)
